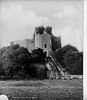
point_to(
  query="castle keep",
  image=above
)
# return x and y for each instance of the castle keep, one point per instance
(42, 38)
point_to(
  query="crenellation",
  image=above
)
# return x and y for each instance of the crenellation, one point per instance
(42, 38)
(39, 29)
(48, 30)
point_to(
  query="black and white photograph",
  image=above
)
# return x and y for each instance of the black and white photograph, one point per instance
(41, 49)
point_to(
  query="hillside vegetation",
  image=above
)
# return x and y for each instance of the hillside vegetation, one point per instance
(18, 61)
(71, 59)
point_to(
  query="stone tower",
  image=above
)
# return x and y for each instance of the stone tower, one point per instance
(43, 38)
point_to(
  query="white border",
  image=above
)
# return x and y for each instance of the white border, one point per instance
(85, 52)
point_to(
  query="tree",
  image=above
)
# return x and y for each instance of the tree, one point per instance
(8, 55)
(74, 62)
(2, 50)
(70, 58)
(15, 61)
(38, 56)
(38, 71)
(59, 53)
(37, 68)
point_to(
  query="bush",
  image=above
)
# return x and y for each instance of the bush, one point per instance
(38, 71)
(71, 59)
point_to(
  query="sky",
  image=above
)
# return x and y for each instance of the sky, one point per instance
(18, 19)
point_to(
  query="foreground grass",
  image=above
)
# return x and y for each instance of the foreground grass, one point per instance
(43, 90)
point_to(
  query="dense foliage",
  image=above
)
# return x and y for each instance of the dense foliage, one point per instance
(17, 61)
(2, 50)
(38, 71)
(38, 56)
(74, 62)
(71, 59)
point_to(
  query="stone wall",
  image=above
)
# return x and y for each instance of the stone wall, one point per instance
(43, 39)
(38, 41)
(30, 45)
(27, 43)
(46, 42)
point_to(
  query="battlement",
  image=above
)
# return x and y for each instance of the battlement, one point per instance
(42, 38)
(42, 29)
(48, 30)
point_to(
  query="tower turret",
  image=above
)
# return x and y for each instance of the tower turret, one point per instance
(48, 30)
(43, 38)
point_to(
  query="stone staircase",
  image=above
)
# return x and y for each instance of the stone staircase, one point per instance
(56, 67)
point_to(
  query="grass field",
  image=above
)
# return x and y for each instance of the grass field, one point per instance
(43, 89)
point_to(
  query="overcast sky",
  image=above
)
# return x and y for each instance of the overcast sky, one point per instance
(19, 19)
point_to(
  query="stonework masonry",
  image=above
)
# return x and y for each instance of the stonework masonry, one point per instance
(41, 39)
(27, 43)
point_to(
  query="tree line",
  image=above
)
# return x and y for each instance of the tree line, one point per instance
(71, 59)
(18, 61)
